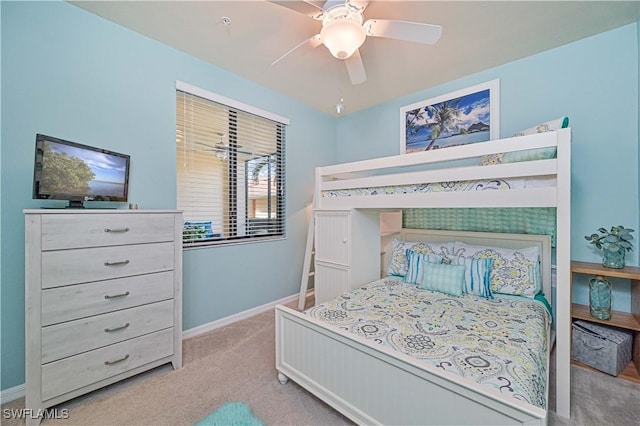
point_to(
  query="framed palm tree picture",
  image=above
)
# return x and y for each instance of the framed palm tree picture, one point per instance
(466, 116)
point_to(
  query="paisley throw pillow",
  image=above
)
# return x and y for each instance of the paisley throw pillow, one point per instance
(398, 262)
(513, 271)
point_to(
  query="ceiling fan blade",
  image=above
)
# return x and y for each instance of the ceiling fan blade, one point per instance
(227, 150)
(355, 68)
(403, 30)
(207, 147)
(311, 9)
(219, 146)
(310, 43)
(360, 4)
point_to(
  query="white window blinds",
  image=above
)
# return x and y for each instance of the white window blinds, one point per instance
(230, 172)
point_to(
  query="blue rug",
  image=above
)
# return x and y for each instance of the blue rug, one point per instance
(231, 414)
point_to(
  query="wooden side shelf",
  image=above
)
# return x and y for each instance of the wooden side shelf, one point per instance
(626, 320)
(629, 272)
(618, 319)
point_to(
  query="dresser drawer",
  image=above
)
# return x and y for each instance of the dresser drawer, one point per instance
(72, 373)
(74, 337)
(83, 300)
(64, 231)
(66, 267)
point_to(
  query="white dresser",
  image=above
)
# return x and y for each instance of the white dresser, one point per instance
(347, 251)
(103, 294)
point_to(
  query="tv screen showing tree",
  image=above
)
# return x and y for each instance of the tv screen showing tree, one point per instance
(66, 170)
(62, 172)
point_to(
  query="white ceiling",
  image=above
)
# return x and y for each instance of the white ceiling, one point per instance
(477, 35)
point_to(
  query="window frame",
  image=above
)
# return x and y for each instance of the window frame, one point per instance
(233, 207)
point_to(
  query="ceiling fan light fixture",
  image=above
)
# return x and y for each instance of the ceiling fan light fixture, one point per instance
(342, 36)
(222, 155)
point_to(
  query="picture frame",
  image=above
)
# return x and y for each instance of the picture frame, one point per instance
(462, 117)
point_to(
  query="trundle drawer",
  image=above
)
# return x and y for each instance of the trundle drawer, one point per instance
(83, 300)
(72, 373)
(74, 337)
(65, 231)
(66, 267)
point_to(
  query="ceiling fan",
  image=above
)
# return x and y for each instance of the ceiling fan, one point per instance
(344, 30)
(222, 149)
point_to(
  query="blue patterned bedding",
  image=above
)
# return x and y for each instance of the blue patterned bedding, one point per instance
(452, 186)
(499, 343)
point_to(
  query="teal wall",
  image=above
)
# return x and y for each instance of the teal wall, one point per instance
(594, 81)
(71, 74)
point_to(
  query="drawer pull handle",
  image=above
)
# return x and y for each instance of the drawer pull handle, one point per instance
(107, 296)
(111, 330)
(123, 262)
(117, 360)
(120, 230)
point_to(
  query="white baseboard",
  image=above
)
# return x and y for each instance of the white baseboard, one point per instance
(16, 392)
(12, 394)
(204, 328)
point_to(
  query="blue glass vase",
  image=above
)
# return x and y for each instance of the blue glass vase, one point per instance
(600, 298)
(613, 258)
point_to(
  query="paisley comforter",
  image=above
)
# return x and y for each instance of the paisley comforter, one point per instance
(499, 343)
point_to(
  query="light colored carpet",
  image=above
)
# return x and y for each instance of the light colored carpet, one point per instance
(236, 363)
(598, 399)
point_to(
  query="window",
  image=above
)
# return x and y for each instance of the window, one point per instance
(230, 169)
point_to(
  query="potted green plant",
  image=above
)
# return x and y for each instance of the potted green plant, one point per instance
(614, 243)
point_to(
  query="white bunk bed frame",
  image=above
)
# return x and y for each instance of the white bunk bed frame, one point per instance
(337, 367)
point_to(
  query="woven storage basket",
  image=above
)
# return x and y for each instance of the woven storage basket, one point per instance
(605, 348)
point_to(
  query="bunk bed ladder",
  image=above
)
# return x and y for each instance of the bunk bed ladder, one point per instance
(307, 273)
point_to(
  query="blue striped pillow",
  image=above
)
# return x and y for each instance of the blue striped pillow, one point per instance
(414, 265)
(442, 277)
(477, 277)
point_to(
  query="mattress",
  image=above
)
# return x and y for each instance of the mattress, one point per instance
(451, 186)
(501, 343)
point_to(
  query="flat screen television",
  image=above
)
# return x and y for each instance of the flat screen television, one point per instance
(77, 173)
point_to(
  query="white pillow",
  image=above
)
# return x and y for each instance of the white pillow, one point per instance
(513, 271)
(398, 263)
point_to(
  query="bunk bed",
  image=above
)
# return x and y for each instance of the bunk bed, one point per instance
(337, 366)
